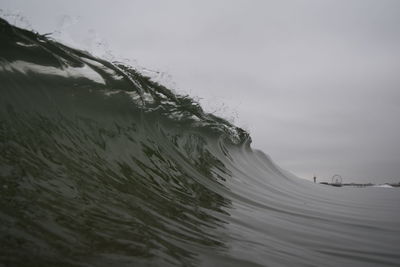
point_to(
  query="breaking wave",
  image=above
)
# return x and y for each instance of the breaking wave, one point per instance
(99, 165)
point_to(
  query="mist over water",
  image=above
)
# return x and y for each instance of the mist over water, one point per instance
(101, 166)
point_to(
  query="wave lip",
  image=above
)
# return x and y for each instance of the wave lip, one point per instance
(99, 165)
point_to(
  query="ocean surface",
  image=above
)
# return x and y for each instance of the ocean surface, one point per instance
(100, 166)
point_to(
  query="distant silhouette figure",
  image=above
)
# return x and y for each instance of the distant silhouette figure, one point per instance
(315, 179)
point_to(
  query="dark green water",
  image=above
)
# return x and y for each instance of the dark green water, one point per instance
(99, 166)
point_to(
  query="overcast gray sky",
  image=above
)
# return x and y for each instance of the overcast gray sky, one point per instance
(316, 82)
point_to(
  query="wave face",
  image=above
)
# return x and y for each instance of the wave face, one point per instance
(101, 166)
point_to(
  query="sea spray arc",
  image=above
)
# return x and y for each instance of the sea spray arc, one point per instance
(101, 166)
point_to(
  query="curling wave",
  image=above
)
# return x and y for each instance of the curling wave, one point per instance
(99, 165)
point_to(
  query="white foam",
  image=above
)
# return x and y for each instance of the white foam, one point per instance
(26, 67)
